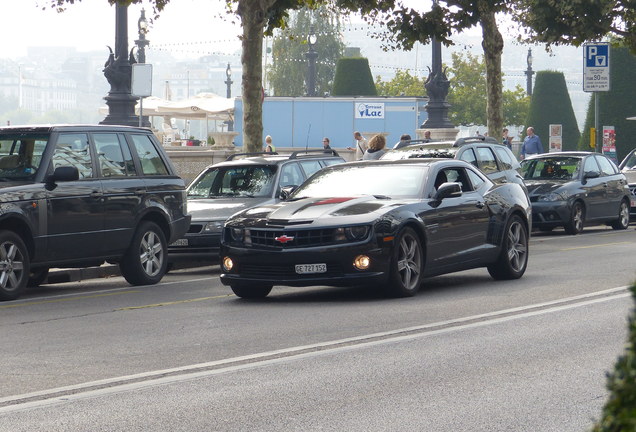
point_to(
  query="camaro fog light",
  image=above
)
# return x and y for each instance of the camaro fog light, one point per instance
(361, 262)
(227, 264)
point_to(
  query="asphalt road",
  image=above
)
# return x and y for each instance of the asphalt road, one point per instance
(467, 353)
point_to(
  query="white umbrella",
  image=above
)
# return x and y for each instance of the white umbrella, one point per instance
(201, 106)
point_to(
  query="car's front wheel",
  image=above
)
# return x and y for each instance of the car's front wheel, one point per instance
(577, 219)
(406, 265)
(14, 266)
(622, 222)
(251, 292)
(513, 258)
(146, 259)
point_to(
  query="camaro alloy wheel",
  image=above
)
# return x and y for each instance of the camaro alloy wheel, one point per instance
(577, 219)
(14, 266)
(406, 272)
(513, 259)
(145, 262)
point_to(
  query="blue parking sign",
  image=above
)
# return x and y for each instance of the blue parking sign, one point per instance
(597, 55)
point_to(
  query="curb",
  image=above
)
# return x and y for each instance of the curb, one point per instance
(61, 275)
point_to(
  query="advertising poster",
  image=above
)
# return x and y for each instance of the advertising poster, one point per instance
(609, 143)
(555, 143)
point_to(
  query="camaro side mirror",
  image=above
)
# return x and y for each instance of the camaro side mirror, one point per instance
(286, 191)
(448, 190)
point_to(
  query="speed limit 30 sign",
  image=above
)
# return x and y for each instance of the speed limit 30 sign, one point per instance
(596, 69)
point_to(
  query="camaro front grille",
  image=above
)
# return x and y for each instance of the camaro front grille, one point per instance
(292, 239)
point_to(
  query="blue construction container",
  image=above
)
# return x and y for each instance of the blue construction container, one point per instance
(304, 121)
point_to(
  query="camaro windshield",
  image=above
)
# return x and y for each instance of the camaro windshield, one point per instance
(245, 181)
(20, 155)
(553, 168)
(380, 180)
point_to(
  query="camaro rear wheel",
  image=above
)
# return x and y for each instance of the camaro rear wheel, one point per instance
(14, 266)
(406, 265)
(577, 219)
(623, 217)
(251, 292)
(146, 260)
(513, 258)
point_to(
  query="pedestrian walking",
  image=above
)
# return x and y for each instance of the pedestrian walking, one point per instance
(507, 140)
(377, 147)
(361, 145)
(269, 146)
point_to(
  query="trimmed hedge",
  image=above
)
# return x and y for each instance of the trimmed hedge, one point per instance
(353, 78)
(616, 105)
(619, 412)
(551, 104)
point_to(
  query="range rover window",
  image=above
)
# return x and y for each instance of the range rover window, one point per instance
(73, 150)
(113, 155)
(20, 155)
(151, 162)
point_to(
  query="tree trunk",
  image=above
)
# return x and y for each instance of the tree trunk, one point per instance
(253, 18)
(492, 44)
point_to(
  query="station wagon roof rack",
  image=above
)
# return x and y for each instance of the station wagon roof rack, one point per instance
(475, 139)
(233, 156)
(306, 153)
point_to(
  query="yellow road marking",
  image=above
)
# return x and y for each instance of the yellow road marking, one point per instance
(595, 246)
(64, 299)
(174, 302)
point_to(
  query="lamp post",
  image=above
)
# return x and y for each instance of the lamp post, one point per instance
(228, 83)
(118, 72)
(529, 72)
(311, 56)
(142, 42)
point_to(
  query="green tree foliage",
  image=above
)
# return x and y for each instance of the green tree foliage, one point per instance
(288, 73)
(551, 104)
(619, 412)
(617, 104)
(353, 78)
(468, 89)
(402, 84)
(576, 22)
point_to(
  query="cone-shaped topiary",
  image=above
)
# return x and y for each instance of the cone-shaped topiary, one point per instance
(353, 78)
(616, 104)
(619, 412)
(551, 104)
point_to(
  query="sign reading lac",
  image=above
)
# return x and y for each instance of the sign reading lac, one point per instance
(596, 69)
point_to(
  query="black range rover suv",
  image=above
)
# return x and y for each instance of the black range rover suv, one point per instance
(77, 196)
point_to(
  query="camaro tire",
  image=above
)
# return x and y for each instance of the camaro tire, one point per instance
(406, 265)
(146, 259)
(622, 222)
(14, 265)
(577, 219)
(251, 292)
(513, 258)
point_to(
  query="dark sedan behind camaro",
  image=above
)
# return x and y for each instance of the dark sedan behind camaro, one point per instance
(386, 223)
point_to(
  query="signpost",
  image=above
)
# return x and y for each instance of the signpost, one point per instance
(141, 85)
(596, 73)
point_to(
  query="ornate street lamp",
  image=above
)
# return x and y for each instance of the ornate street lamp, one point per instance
(118, 72)
(311, 56)
(228, 83)
(142, 42)
(529, 73)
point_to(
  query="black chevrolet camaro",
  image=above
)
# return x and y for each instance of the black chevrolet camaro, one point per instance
(385, 224)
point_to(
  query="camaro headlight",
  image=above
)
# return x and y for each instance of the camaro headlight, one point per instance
(237, 234)
(213, 227)
(554, 196)
(353, 233)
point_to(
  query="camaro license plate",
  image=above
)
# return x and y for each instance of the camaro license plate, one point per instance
(311, 268)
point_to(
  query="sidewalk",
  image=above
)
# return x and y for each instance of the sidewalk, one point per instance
(61, 275)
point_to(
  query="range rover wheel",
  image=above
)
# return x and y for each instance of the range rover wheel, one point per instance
(14, 266)
(251, 292)
(146, 259)
(622, 222)
(577, 219)
(406, 265)
(37, 276)
(513, 258)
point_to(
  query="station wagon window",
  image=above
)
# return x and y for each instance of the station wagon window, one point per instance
(504, 158)
(310, 166)
(469, 156)
(291, 175)
(607, 167)
(329, 162)
(110, 149)
(590, 165)
(72, 149)
(151, 162)
(487, 161)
